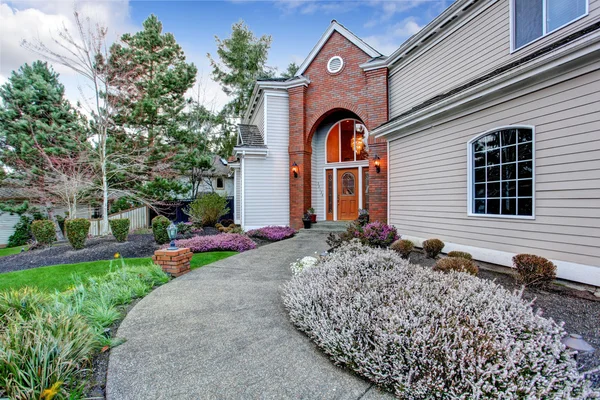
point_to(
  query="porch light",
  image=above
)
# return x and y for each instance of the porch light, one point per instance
(377, 163)
(172, 232)
(295, 169)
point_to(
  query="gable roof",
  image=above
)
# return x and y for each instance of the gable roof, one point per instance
(250, 136)
(342, 30)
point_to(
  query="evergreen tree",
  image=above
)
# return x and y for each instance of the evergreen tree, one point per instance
(291, 70)
(242, 61)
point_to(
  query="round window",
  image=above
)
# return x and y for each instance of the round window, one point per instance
(335, 64)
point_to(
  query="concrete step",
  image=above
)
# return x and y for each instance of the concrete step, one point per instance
(328, 226)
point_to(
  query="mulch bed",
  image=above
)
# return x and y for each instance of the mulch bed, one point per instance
(578, 309)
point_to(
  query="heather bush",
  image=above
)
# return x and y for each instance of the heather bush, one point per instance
(427, 335)
(303, 264)
(77, 232)
(403, 247)
(458, 264)
(222, 242)
(207, 209)
(433, 247)
(534, 271)
(120, 228)
(22, 234)
(460, 254)
(159, 229)
(272, 233)
(43, 231)
(378, 234)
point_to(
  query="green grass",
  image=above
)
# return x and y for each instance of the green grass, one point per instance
(9, 251)
(60, 277)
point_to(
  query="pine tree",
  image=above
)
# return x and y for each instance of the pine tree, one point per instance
(243, 60)
(291, 70)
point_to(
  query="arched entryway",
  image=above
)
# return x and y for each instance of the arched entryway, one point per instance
(340, 167)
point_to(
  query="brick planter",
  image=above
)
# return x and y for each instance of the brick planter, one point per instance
(173, 262)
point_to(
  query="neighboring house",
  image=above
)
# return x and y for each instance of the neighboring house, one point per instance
(485, 125)
(219, 179)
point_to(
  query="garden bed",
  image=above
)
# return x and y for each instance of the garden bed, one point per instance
(579, 310)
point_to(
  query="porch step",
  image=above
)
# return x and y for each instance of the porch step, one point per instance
(328, 226)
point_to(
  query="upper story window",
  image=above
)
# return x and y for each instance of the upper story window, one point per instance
(347, 142)
(501, 173)
(533, 19)
(220, 183)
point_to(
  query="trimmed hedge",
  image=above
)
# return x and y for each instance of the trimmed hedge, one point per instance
(460, 254)
(159, 229)
(534, 271)
(44, 232)
(459, 264)
(77, 231)
(403, 247)
(433, 247)
(120, 228)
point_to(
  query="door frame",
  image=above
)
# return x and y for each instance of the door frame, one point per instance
(345, 165)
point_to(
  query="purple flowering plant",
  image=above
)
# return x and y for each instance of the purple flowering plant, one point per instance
(378, 234)
(222, 242)
(272, 233)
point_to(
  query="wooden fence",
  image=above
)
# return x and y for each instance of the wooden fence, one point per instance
(138, 218)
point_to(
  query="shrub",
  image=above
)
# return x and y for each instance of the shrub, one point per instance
(272, 233)
(207, 209)
(184, 227)
(43, 231)
(22, 234)
(403, 247)
(353, 231)
(428, 335)
(433, 247)
(227, 222)
(303, 264)
(460, 254)
(233, 228)
(458, 264)
(120, 228)
(77, 232)
(534, 271)
(159, 229)
(378, 234)
(224, 242)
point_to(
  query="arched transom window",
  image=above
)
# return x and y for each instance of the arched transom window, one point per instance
(346, 142)
(501, 176)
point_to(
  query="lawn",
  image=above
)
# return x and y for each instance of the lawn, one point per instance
(9, 251)
(60, 277)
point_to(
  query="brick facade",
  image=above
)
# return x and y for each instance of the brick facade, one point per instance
(363, 93)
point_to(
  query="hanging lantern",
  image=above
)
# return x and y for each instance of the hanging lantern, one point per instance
(357, 144)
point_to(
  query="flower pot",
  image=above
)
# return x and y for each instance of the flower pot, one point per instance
(307, 223)
(313, 218)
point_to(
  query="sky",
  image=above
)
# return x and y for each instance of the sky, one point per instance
(294, 25)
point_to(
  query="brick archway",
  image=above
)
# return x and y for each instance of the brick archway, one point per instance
(325, 112)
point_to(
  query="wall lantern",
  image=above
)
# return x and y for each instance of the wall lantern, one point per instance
(172, 232)
(377, 163)
(295, 169)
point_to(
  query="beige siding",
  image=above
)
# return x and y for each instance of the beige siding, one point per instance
(477, 48)
(428, 175)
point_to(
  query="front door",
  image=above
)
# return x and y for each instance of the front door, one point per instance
(347, 194)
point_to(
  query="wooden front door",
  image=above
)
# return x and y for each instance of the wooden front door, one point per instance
(347, 194)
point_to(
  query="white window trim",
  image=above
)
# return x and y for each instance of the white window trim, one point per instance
(545, 33)
(470, 182)
(344, 163)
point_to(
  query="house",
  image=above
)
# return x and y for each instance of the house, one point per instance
(485, 125)
(218, 179)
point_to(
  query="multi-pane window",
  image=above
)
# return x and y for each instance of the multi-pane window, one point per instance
(533, 19)
(502, 181)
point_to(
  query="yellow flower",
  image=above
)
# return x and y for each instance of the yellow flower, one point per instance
(117, 255)
(48, 394)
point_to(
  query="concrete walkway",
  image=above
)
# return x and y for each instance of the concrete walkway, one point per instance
(221, 332)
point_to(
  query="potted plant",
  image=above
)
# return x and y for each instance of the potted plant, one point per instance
(363, 217)
(313, 216)
(307, 220)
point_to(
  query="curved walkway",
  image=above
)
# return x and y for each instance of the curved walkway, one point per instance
(221, 332)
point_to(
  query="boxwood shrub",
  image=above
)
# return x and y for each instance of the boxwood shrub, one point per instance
(433, 247)
(459, 264)
(159, 229)
(120, 228)
(43, 231)
(428, 335)
(77, 232)
(534, 271)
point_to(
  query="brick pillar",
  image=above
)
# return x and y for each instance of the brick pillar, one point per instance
(377, 111)
(173, 262)
(300, 153)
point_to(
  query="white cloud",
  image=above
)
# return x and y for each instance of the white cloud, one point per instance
(394, 36)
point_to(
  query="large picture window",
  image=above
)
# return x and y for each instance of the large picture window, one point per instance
(346, 142)
(501, 176)
(533, 19)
